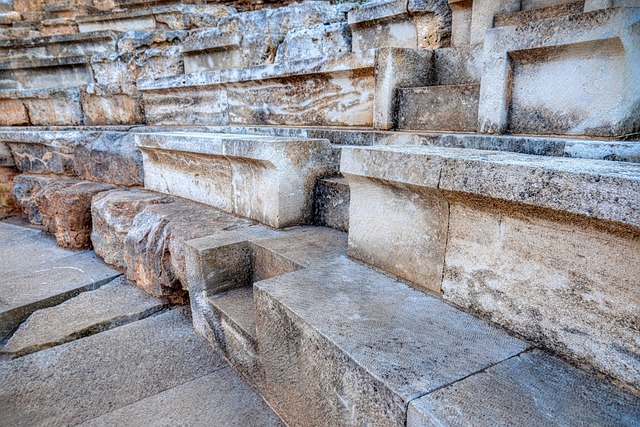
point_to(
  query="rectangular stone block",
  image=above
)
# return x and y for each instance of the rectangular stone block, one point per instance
(548, 69)
(365, 347)
(269, 179)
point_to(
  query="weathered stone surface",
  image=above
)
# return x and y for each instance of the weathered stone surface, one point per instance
(233, 404)
(7, 200)
(47, 284)
(365, 347)
(269, 179)
(551, 217)
(331, 203)
(552, 11)
(103, 105)
(439, 108)
(87, 378)
(27, 191)
(109, 157)
(599, 43)
(154, 246)
(533, 389)
(320, 41)
(45, 106)
(114, 304)
(293, 93)
(112, 215)
(13, 112)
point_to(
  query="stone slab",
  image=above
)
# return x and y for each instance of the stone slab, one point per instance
(532, 389)
(114, 304)
(44, 285)
(364, 347)
(220, 399)
(84, 379)
(112, 215)
(439, 108)
(7, 201)
(41, 107)
(269, 179)
(24, 248)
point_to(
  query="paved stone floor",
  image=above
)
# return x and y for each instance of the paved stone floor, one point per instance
(81, 346)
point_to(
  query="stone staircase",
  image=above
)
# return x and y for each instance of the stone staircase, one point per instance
(405, 213)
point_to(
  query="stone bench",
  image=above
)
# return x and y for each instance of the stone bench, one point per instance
(319, 91)
(458, 222)
(269, 179)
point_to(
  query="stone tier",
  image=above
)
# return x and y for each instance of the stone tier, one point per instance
(269, 179)
(516, 238)
(337, 92)
(328, 341)
(538, 13)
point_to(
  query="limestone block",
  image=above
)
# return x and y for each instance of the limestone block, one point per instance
(526, 390)
(154, 245)
(13, 112)
(554, 218)
(114, 304)
(315, 42)
(264, 178)
(439, 108)
(483, 12)
(57, 107)
(365, 347)
(112, 215)
(547, 67)
(7, 201)
(331, 203)
(109, 157)
(394, 69)
(27, 190)
(285, 93)
(552, 11)
(105, 106)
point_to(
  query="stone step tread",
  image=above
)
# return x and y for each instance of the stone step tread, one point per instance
(594, 188)
(548, 12)
(443, 89)
(411, 342)
(533, 389)
(114, 304)
(87, 378)
(221, 398)
(236, 306)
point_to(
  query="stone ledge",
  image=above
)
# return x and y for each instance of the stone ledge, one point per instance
(347, 62)
(60, 39)
(268, 179)
(595, 189)
(377, 11)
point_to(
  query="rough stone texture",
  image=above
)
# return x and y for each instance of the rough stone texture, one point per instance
(46, 284)
(524, 16)
(331, 203)
(365, 347)
(320, 41)
(63, 204)
(268, 179)
(57, 107)
(103, 105)
(112, 215)
(551, 217)
(530, 389)
(109, 157)
(221, 398)
(114, 304)
(548, 68)
(81, 380)
(439, 108)
(319, 91)
(7, 201)
(154, 246)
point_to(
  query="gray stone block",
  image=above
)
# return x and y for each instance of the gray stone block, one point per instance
(531, 389)
(331, 203)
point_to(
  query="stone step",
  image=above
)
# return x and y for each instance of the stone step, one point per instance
(148, 369)
(532, 388)
(457, 221)
(269, 179)
(331, 203)
(114, 304)
(525, 16)
(61, 205)
(144, 233)
(451, 108)
(335, 91)
(37, 274)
